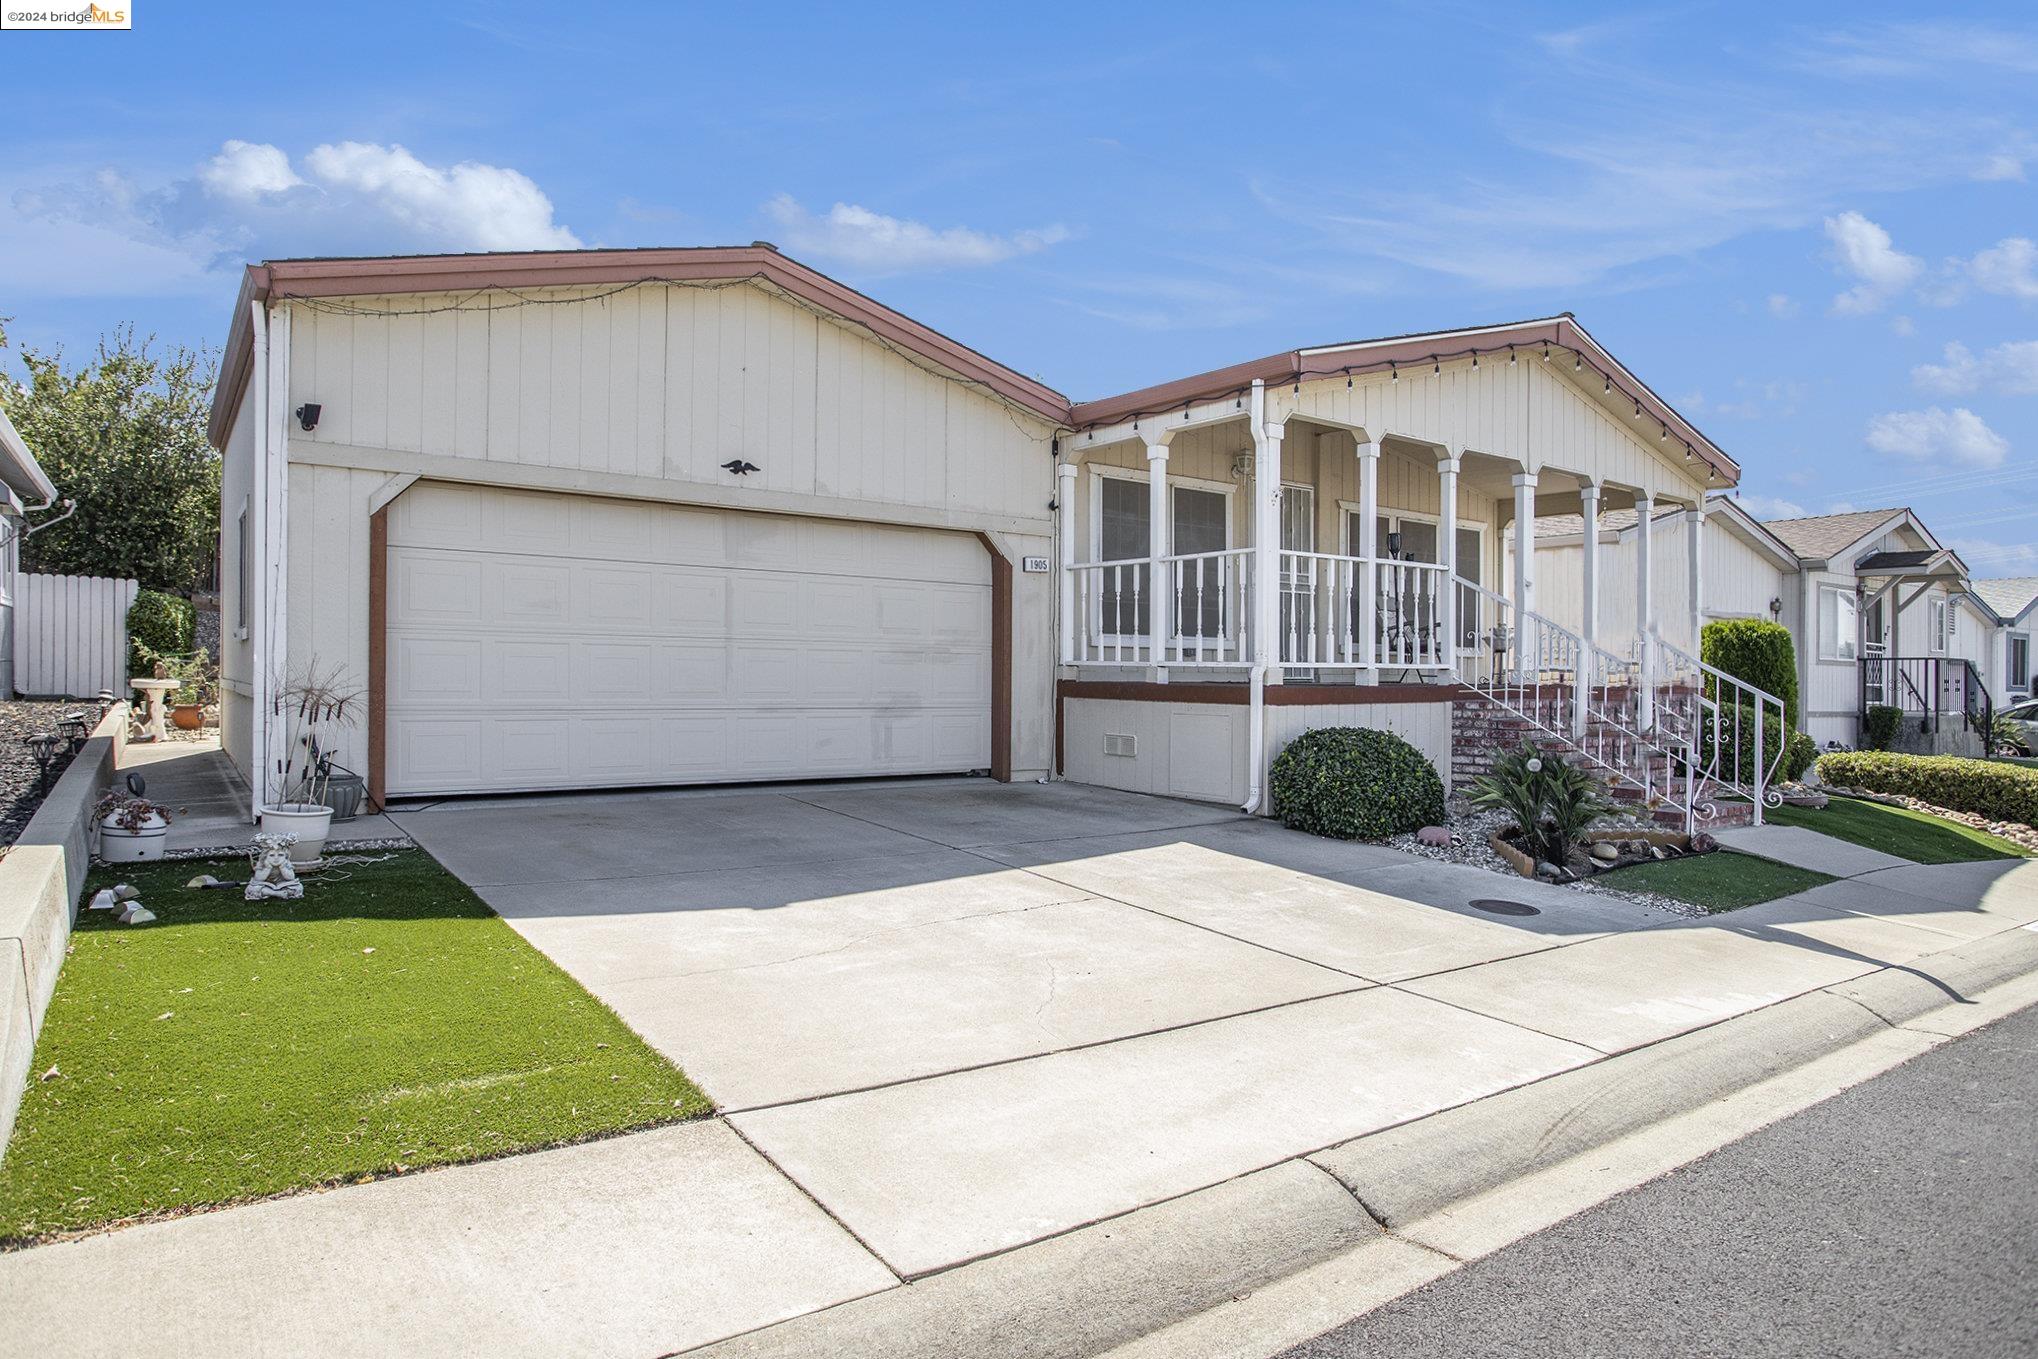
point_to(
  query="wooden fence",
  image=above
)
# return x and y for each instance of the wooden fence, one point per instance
(70, 635)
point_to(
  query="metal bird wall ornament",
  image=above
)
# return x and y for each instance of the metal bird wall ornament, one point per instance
(740, 467)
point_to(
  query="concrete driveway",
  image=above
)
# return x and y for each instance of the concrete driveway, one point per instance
(792, 943)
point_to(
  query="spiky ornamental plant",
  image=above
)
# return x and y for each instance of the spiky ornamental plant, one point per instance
(315, 706)
(1552, 802)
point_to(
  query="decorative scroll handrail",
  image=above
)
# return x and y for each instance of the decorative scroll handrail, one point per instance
(1722, 727)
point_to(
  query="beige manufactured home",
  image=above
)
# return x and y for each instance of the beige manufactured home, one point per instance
(601, 519)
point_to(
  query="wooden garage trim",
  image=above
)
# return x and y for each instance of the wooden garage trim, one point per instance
(1001, 661)
(378, 653)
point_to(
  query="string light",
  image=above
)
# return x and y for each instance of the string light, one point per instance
(1510, 356)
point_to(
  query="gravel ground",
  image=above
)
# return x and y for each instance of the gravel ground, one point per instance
(1471, 828)
(20, 788)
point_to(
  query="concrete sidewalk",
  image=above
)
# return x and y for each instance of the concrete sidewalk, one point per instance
(1050, 1032)
(209, 798)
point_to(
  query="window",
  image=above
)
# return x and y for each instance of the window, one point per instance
(1945, 624)
(1839, 626)
(2020, 661)
(243, 571)
(1201, 523)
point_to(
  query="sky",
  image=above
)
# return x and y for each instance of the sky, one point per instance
(1813, 228)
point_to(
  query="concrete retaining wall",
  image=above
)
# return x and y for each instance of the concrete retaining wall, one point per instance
(40, 879)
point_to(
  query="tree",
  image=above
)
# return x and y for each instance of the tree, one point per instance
(124, 436)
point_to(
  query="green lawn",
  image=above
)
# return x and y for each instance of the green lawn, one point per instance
(1898, 830)
(1723, 881)
(234, 1050)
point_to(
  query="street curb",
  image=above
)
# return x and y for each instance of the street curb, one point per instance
(1115, 1281)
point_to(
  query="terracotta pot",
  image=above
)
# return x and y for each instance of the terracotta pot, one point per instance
(187, 716)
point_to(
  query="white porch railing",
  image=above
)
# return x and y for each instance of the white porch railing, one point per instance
(1211, 594)
(1322, 626)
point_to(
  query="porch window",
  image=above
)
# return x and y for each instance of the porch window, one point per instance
(1201, 524)
(1839, 624)
(2020, 661)
(1942, 626)
(1471, 626)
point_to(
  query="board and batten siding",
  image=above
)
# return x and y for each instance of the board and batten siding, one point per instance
(643, 395)
(1739, 580)
(665, 381)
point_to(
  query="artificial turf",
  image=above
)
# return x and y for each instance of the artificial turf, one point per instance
(1916, 836)
(1722, 881)
(234, 1050)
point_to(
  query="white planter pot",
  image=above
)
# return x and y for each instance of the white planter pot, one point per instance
(119, 845)
(308, 821)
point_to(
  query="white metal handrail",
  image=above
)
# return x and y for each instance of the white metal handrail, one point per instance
(1721, 724)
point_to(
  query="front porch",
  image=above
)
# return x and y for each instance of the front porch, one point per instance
(1357, 547)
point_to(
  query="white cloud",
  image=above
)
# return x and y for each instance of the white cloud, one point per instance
(1771, 507)
(2010, 368)
(2009, 268)
(1864, 252)
(1934, 435)
(2000, 167)
(1903, 325)
(1782, 305)
(246, 170)
(482, 207)
(889, 245)
(250, 202)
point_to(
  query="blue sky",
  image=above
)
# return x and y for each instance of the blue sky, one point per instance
(1811, 227)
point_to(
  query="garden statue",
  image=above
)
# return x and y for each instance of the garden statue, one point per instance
(273, 879)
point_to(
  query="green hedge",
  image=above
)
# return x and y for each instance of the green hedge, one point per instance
(1354, 783)
(165, 624)
(2001, 792)
(1755, 652)
(1879, 728)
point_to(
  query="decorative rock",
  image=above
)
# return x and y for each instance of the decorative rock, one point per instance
(1701, 843)
(102, 900)
(1436, 836)
(124, 891)
(1606, 851)
(136, 914)
(1547, 869)
(1658, 852)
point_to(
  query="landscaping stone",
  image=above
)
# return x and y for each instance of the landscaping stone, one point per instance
(21, 786)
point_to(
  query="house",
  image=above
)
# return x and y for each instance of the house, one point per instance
(22, 481)
(1879, 609)
(2009, 610)
(615, 518)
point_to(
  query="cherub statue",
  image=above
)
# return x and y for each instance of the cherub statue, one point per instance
(273, 878)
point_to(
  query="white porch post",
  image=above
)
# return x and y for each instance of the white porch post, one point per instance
(1694, 524)
(1447, 551)
(1159, 592)
(1369, 556)
(1267, 548)
(1645, 609)
(1065, 501)
(1524, 562)
(1588, 613)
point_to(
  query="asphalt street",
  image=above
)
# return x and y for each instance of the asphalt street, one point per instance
(1898, 1218)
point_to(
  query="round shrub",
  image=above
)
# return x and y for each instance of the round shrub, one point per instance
(165, 624)
(1354, 783)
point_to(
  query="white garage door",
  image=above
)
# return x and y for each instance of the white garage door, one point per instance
(557, 641)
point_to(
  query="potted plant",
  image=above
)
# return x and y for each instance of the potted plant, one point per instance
(314, 708)
(187, 704)
(132, 829)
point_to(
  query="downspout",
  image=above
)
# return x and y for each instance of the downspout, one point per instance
(258, 524)
(1256, 704)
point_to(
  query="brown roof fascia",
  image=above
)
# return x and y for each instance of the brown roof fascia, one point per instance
(397, 275)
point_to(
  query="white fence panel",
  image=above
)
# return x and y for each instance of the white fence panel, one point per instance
(70, 634)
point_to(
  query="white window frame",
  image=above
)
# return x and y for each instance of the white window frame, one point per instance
(1940, 616)
(2011, 682)
(244, 570)
(1098, 472)
(1819, 625)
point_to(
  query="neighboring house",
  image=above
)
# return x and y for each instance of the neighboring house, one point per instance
(638, 517)
(22, 481)
(2010, 618)
(1879, 610)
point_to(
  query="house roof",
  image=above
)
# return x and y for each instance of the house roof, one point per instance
(19, 470)
(2008, 596)
(1379, 355)
(1881, 563)
(386, 275)
(1817, 537)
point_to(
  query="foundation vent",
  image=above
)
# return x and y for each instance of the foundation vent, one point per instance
(1117, 744)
